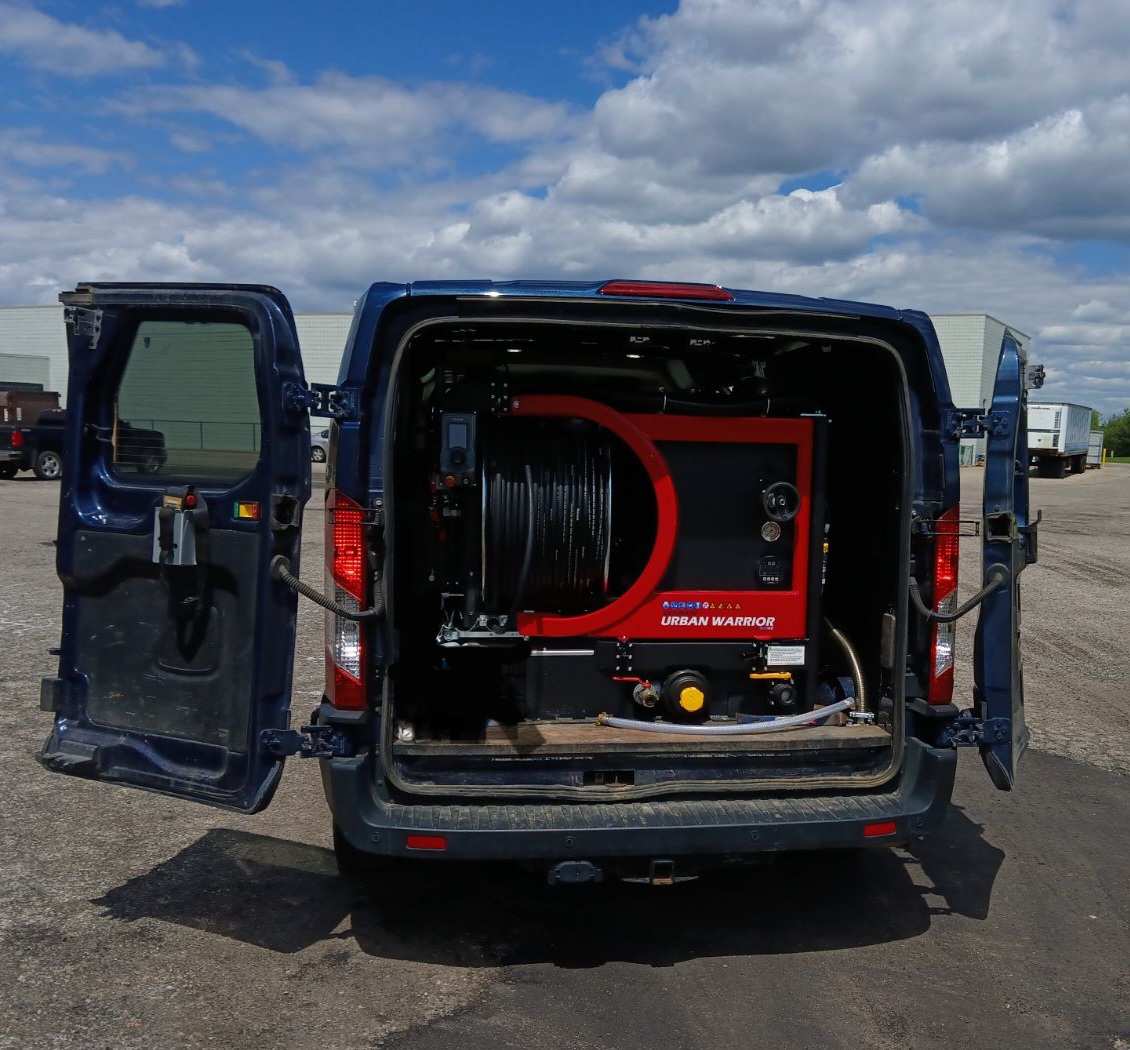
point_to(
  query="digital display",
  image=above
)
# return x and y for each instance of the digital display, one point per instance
(456, 435)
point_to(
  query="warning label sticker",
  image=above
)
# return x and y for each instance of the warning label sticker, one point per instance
(785, 656)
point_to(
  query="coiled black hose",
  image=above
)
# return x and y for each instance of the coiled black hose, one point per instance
(528, 554)
(548, 493)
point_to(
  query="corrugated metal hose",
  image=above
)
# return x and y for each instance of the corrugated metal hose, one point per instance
(998, 577)
(280, 570)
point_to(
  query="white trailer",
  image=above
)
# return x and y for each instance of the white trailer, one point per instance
(1095, 449)
(1059, 438)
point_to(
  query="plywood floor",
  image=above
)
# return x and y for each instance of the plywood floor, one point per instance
(571, 738)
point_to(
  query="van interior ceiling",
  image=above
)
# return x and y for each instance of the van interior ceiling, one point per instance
(669, 527)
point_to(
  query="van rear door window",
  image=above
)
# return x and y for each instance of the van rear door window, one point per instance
(187, 405)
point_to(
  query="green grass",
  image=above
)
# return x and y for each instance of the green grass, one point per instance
(1118, 459)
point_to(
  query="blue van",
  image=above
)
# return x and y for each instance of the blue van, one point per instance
(623, 577)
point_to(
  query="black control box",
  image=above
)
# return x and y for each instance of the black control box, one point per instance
(457, 446)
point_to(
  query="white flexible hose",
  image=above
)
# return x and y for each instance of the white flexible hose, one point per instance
(730, 729)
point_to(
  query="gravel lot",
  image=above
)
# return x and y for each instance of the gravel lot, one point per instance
(255, 956)
(128, 920)
(1074, 606)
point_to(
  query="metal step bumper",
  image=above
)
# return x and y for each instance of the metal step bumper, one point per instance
(694, 827)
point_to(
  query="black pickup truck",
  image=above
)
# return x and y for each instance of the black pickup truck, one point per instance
(39, 448)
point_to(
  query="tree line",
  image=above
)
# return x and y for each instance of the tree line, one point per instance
(1116, 433)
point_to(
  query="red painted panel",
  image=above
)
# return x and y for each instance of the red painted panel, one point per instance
(643, 612)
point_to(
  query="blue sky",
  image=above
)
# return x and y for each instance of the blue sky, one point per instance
(949, 157)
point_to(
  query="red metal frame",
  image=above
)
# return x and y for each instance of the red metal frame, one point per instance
(601, 622)
(642, 611)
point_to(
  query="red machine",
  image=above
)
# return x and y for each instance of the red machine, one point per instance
(703, 468)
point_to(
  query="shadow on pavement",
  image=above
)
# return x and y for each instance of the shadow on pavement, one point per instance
(287, 896)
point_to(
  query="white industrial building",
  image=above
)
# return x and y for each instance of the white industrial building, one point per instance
(971, 346)
(33, 348)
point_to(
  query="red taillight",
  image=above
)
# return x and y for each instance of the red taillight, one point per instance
(17, 439)
(879, 829)
(939, 688)
(348, 552)
(945, 554)
(344, 690)
(666, 290)
(345, 581)
(432, 842)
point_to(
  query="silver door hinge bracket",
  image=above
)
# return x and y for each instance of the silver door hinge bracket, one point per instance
(322, 399)
(970, 730)
(313, 741)
(84, 322)
(949, 527)
(972, 422)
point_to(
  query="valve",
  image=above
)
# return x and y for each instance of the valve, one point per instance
(645, 694)
(781, 501)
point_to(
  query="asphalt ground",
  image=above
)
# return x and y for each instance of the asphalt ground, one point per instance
(128, 920)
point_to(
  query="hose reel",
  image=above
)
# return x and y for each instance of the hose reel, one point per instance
(547, 518)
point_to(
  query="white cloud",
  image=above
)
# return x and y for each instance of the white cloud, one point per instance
(1064, 177)
(323, 240)
(1087, 336)
(802, 85)
(1101, 310)
(188, 143)
(372, 120)
(276, 71)
(73, 50)
(646, 190)
(964, 141)
(31, 149)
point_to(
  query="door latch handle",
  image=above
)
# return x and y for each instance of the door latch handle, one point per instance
(181, 541)
(180, 525)
(166, 549)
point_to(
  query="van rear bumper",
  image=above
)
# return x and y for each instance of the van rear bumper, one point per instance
(676, 828)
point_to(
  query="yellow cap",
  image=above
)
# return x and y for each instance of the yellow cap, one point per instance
(691, 698)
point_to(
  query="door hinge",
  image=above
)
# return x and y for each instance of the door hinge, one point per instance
(1003, 527)
(950, 527)
(972, 422)
(322, 399)
(313, 741)
(84, 322)
(970, 730)
(1030, 537)
(58, 696)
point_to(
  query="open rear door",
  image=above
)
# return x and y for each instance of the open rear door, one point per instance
(1008, 541)
(187, 467)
